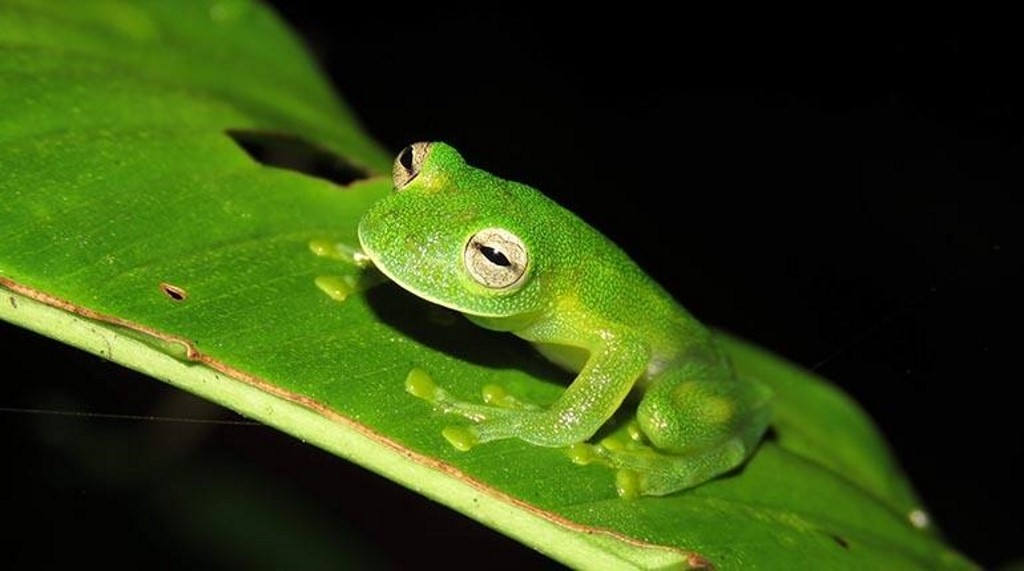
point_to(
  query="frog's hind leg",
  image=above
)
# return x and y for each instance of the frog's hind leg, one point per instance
(696, 427)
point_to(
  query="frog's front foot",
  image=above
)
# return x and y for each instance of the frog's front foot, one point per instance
(499, 408)
(501, 416)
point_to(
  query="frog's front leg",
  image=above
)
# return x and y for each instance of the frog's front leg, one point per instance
(609, 374)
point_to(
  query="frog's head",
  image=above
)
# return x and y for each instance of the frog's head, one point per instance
(456, 235)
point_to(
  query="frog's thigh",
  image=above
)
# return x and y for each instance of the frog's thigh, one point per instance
(699, 427)
(684, 412)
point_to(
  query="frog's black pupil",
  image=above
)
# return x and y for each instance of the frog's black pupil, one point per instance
(405, 158)
(494, 256)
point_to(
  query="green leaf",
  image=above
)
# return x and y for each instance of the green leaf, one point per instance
(134, 226)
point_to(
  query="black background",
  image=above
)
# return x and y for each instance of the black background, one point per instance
(849, 200)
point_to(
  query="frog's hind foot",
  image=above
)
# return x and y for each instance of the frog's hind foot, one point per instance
(643, 470)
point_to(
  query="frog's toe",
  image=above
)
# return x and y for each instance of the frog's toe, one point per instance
(461, 437)
(420, 384)
(496, 395)
(583, 453)
(628, 484)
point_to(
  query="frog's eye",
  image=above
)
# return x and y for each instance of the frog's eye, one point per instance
(495, 258)
(408, 163)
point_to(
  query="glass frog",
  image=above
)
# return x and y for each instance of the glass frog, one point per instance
(510, 259)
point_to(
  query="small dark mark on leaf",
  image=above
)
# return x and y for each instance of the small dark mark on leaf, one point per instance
(174, 292)
(842, 542)
(14, 302)
(296, 154)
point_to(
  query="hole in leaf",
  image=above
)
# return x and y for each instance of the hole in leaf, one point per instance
(174, 292)
(697, 562)
(296, 154)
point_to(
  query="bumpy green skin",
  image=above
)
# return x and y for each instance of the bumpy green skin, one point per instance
(585, 305)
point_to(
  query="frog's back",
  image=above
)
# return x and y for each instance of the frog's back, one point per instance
(598, 278)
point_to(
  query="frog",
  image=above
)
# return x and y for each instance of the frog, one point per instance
(510, 259)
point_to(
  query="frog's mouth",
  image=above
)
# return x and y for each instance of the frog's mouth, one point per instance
(390, 273)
